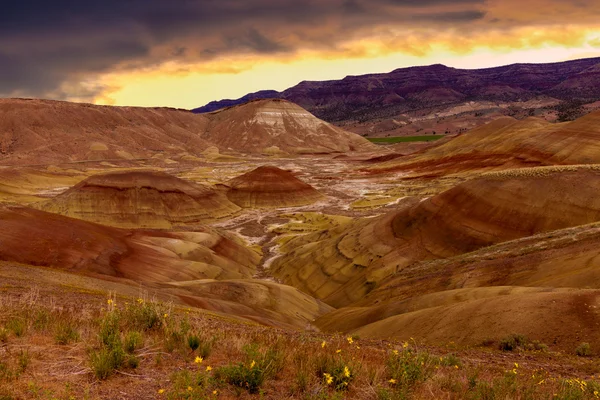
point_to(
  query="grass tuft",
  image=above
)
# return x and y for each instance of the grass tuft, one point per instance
(18, 326)
(65, 332)
(257, 367)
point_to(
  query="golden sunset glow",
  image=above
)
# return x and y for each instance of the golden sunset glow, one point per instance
(185, 55)
(186, 86)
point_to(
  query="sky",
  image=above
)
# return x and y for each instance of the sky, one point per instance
(185, 53)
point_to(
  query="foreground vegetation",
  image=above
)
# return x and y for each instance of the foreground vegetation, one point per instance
(109, 347)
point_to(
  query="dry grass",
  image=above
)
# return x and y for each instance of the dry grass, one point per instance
(247, 361)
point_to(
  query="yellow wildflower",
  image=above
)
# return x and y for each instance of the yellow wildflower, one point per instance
(328, 378)
(252, 364)
(110, 302)
(189, 388)
(350, 340)
(346, 372)
(198, 360)
(395, 352)
(215, 392)
(516, 365)
(456, 366)
(140, 301)
(405, 344)
(166, 316)
(161, 391)
(209, 368)
(338, 351)
(323, 343)
(392, 381)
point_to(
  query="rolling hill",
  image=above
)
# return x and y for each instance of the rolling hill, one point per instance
(343, 265)
(268, 186)
(40, 132)
(141, 200)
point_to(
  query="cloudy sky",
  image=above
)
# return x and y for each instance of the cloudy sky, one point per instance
(184, 53)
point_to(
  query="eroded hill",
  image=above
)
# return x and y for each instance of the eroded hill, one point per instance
(476, 240)
(141, 199)
(42, 132)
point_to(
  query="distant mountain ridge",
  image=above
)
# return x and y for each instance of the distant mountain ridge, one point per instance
(219, 104)
(432, 88)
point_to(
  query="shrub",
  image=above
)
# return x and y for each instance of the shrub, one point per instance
(193, 342)
(111, 354)
(513, 342)
(335, 371)
(409, 367)
(133, 341)
(257, 367)
(536, 345)
(132, 361)
(109, 328)
(143, 315)
(188, 385)
(105, 361)
(583, 350)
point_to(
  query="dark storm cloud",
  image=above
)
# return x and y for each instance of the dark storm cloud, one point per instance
(44, 44)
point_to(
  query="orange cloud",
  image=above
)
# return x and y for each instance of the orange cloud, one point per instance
(191, 85)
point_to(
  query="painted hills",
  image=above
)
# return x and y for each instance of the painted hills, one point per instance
(201, 268)
(43, 132)
(269, 186)
(36, 132)
(344, 265)
(455, 249)
(440, 99)
(507, 143)
(139, 199)
(273, 126)
(45, 239)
